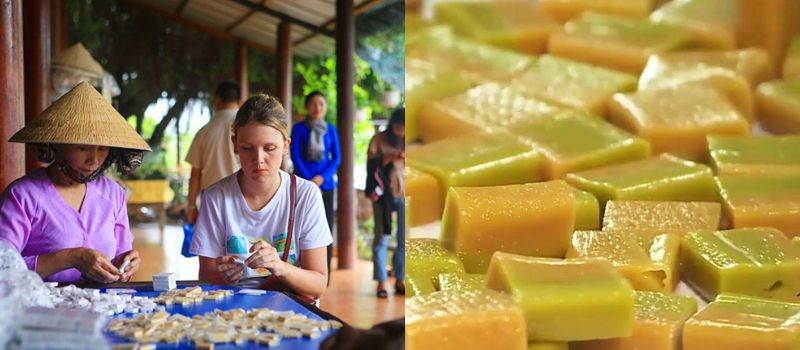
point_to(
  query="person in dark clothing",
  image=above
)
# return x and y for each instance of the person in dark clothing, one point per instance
(386, 187)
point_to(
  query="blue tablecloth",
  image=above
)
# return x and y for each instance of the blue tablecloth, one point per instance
(273, 300)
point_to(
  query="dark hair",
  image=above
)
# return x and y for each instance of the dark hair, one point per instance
(228, 91)
(265, 110)
(398, 117)
(126, 160)
(312, 94)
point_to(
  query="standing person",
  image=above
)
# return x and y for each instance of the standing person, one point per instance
(316, 154)
(68, 221)
(211, 153)
(275, 218)
(386, 187)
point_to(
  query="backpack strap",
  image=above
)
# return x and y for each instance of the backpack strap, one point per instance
(292, 206)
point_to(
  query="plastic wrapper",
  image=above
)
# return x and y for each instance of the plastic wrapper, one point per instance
(10, 259)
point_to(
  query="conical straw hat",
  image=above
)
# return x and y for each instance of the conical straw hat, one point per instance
(82, 117)
(76, 57)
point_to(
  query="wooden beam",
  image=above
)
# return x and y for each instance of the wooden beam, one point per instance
(36, 36)
(284, 17)
(241, 71)
(203, 28)
(346, 213)
(242, 19)
(331, 23)
(12, 100)
(285, 67)
(58, 26)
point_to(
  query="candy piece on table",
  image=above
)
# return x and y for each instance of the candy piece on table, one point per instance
(664, 249)
(572, 84)
(614, 42)
(755, 155)
(663, 216)
(659, 226)
(768, 24)
(566, 300)
(485, 160)
(462, 281)
(762, 201)
(587, 210)
(753, 261)
(624, 251)
(791, 66)
(751, 63)
(548, 345)
(534, 219)
(418, 285)
(711, 22)
(441, 48)
(738, 322)
(778, 104)
(660, 178)
(426, 259)
(249, 291)
(732, 85)
(464, 319)
(424, 201)
(427, 82)
(479, 110)
(571, 141)
(677, 119)
(564, 10)
(659, 320)
(514, 25)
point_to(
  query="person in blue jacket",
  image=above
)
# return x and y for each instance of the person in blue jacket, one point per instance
(316, 154)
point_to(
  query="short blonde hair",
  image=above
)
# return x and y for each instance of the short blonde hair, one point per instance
(265, 110)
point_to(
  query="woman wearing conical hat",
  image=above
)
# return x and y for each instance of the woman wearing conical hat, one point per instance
(67, 220)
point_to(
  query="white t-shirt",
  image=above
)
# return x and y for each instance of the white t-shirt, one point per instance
(225, 213)
(212, 149)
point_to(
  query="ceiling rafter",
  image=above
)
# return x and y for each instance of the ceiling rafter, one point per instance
(285, 17)
(331, 23)
(189, 23)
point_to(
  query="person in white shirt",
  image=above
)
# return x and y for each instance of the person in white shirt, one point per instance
(269, 207)
(211, 153)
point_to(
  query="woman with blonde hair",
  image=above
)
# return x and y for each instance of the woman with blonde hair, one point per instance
(262, 227)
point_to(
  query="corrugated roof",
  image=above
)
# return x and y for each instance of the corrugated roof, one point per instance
(256, 21)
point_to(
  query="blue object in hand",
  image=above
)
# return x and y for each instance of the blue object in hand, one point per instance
(237, 245)
(188, 233)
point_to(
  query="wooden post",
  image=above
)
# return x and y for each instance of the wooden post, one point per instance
(36, 33)
(59, 26)
(241, 70)
(345, 47)
(12, 100)
(285, 68)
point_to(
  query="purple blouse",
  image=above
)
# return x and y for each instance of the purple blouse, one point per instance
(36, 220)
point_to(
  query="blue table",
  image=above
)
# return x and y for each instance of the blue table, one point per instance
(273, 300)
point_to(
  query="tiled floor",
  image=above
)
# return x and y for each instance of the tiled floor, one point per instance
(351, 295)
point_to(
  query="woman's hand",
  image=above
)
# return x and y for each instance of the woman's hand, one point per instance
(94, 265)
(230, 270)
(265, 256)
(132, 257)
(318, 180)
